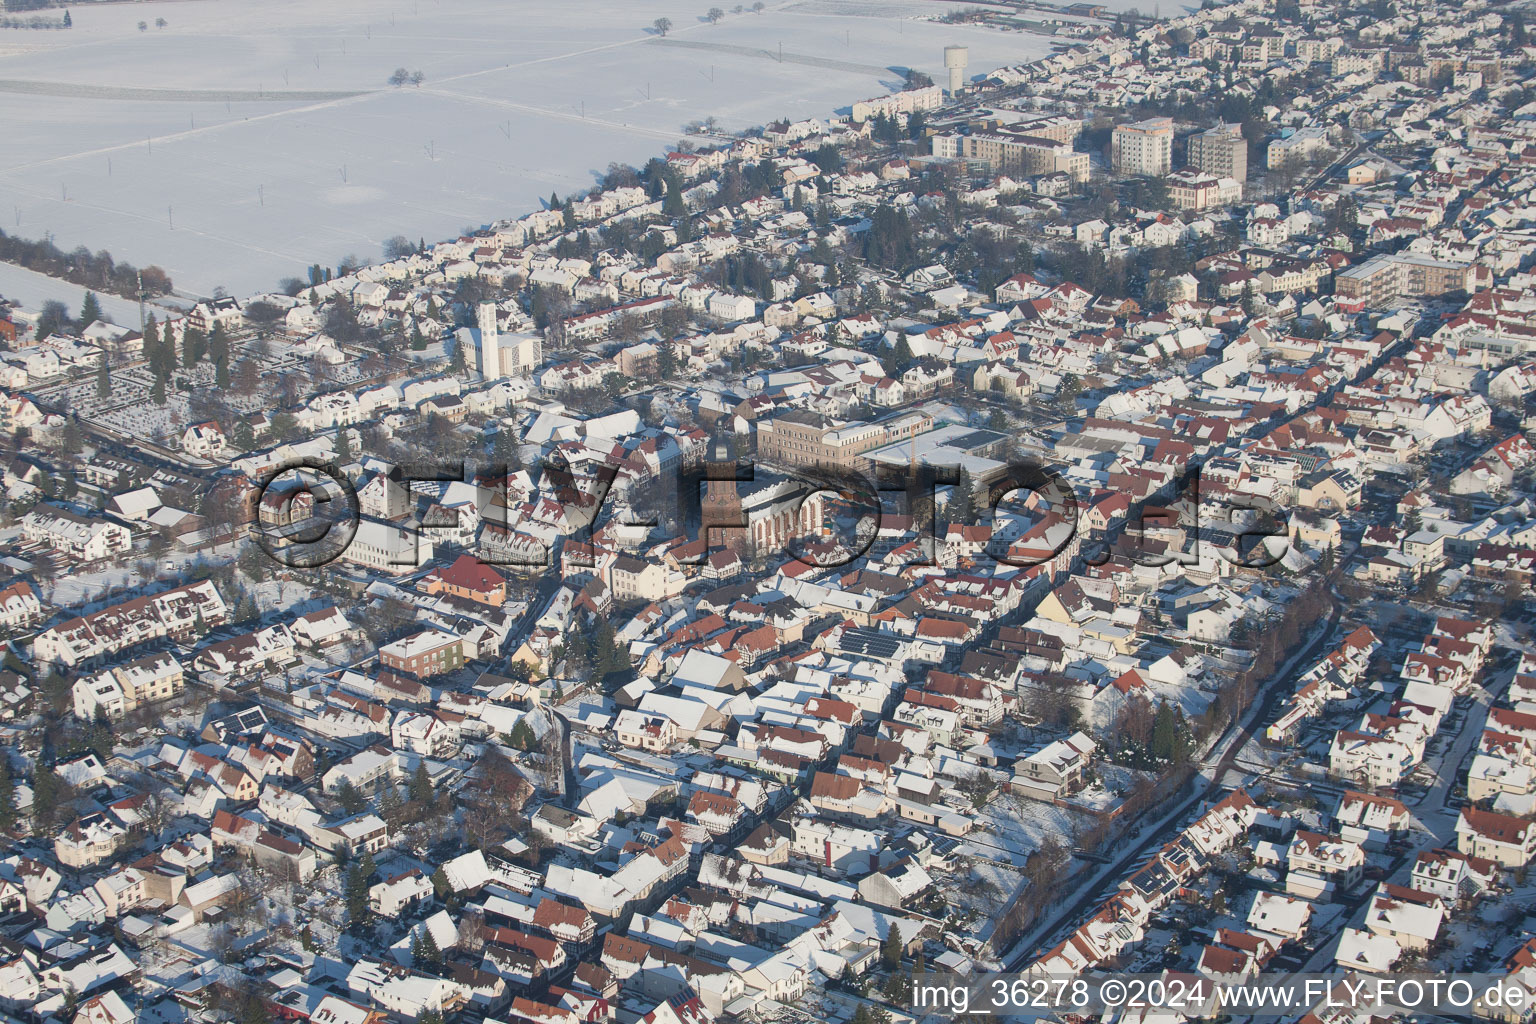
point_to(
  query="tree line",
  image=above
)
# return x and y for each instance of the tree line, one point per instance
(37, 21)
(80, 266)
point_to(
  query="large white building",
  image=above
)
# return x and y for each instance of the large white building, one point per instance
(1144, 147)
(1296, 148)
(905, 102)
(387, 547)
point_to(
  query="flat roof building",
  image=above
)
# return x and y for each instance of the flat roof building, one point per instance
(1221, 152)
(1144, 147)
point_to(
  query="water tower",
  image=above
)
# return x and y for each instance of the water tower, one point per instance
(956, 58)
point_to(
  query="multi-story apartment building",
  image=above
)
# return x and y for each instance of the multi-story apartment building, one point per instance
(1262, 48)
(1221, 152)
(1320, 866)
(88, 539)
(1404, 274)
(89, 840)
(1507, 841)
(1296, 148)
(905, 102)
(1191, 190)
(127, 687)
(1144, 147)
(1349, 62)
(469, 579)
(176, 613)
(1010, 152)
(1317, 50)
(428, 653)
(1056, 127)
(1211, 48)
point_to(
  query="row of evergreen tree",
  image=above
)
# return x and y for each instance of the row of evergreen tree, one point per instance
(162, 358)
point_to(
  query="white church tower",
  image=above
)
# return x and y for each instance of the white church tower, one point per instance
(489, 363)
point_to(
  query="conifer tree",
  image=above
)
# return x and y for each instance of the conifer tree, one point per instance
(421, 785)
(890, 949)
(357, 894)
(604, 654)
(151, 346)
(390, 805)
(672, 205)
(521, 736)
(350, 797)
(48, 794)
(103, 379)
(429, 951)
(577, 649)
(218, 344)
(504, 447)
(90, 310)
(193, 345)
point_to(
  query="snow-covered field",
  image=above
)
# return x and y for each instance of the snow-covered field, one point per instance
(244, 141)
(32, 290)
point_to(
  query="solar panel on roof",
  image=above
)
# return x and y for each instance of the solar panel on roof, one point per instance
(865, 641)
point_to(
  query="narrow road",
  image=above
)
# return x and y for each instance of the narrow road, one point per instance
(1232, 742)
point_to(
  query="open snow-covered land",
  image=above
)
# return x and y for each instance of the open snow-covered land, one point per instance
(243, 141)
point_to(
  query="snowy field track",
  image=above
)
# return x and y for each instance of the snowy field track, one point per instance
(243, 141)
